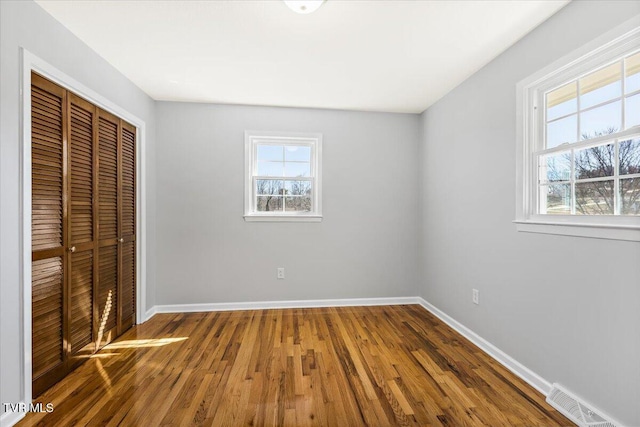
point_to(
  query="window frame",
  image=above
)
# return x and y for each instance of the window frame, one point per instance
(531, 127)
(252, 140)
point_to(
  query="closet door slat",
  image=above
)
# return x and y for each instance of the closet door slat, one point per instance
(48, 172)
(128, 226)
(108, 227)
(47, 315)
(81, 217)
(108, 176)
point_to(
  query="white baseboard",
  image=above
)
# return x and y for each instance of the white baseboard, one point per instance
(9, 419)
(260, 305)
(149, 314)
(533, 379)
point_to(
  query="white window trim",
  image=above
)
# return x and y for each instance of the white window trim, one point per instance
(251, 138)
(613, 44)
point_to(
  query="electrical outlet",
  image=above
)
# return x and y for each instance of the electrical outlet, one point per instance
(476, 296)
(280, 273)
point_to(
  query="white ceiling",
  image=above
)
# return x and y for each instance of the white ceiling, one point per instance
(396, 56)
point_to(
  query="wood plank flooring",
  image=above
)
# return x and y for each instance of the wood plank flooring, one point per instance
(350, 366)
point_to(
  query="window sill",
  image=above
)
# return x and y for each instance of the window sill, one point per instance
(596, 231)
(283, 218)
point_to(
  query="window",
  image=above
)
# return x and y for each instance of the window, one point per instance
(579, 144)
(283, 176)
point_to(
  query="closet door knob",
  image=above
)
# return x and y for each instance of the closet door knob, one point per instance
(121, 240)
(72, 249)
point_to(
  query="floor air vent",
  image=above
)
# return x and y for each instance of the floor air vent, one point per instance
(577, 410)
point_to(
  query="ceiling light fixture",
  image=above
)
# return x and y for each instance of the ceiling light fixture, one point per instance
(304, 6)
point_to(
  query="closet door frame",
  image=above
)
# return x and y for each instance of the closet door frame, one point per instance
(32, 63)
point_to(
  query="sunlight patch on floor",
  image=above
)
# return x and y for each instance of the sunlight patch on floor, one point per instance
(96, 356)
(158, 342)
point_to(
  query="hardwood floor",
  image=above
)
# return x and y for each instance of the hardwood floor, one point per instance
(350, 366)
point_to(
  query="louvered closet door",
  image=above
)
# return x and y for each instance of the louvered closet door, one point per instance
(83, 230)
(48, 233)
(127, 250)
(108, 233)
(82, 227)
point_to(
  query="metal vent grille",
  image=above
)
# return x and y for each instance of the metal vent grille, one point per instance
(577, 410)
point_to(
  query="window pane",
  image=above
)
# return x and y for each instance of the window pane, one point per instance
(271, 152)
(632, 73)
(555, 199)
(630, 196)
(268, 186)
(595, 162)
(269, 203)
(297, 169)
(561, 131)
(594, 198)
(601, 86)
(297, 188)
(632, 111)
(629, 154)
(562, 101)
(600, 121)
(298, 153)
(299, 204)
(270, 168)
(555, 167)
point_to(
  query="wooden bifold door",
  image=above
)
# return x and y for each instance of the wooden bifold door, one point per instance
(83, 230)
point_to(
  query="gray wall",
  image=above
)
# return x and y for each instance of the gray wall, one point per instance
(25, 24)
(567, 308)
(366, 245)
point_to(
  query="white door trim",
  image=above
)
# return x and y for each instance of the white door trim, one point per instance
(31, 62)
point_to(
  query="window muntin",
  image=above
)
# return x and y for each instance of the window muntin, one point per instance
(283, 176)
(587, 164)
(632, 73)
